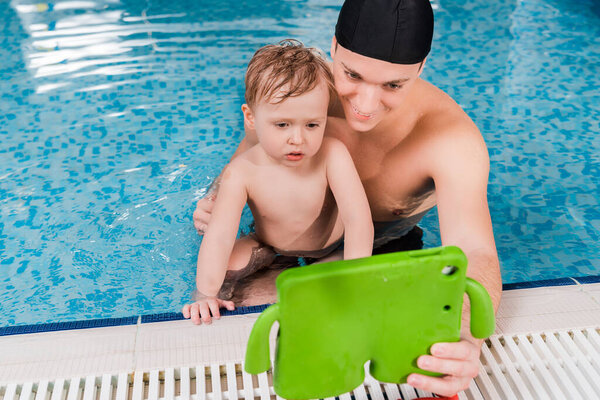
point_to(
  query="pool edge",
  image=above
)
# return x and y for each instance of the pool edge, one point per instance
(176, 316)
(107, 322)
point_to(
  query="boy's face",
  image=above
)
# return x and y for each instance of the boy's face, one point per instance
(368, 88)
(292, 130)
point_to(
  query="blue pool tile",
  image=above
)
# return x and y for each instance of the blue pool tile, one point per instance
(93, 195)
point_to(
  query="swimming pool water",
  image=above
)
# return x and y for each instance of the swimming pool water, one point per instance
(116, 116)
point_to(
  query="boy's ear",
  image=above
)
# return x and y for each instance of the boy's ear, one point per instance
(248, 116)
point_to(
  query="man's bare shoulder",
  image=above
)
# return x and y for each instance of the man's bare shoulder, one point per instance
(442, 119)
(337, 127)
(436, 107)
(451, 135)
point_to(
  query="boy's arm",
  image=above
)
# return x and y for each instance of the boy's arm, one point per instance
(351, 200)
(219, 238)
(205, 205)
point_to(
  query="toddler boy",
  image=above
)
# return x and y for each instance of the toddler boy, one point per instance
(303, 190)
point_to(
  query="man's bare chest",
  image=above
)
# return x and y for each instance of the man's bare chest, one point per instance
(395, 179)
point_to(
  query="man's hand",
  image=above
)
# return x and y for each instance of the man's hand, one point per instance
(205, 205)
(459, 362)
(201, 309)
(203, 212)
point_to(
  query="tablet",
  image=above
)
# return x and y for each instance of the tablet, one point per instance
(387, 309)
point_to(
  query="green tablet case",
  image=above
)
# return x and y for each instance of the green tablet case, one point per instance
(389, 309)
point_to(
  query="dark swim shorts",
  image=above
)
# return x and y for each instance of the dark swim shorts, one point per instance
(402, 230)
(265, 256)
(390, 236)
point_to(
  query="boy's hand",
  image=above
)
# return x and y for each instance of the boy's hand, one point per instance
(203, 306)
(203, 212)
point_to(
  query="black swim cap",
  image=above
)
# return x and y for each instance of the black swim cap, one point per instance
(397, 31)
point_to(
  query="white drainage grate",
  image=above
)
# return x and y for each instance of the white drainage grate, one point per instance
(214, 382)
(550, 365)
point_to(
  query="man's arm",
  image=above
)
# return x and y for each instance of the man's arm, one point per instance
(205, 205)
(460, 171)
(461, 179)
(351, 200)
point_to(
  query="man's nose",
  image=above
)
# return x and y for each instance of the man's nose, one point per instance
(367, 99)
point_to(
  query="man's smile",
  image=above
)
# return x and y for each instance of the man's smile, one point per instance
(360, 115)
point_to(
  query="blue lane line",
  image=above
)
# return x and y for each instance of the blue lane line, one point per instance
(176, 316)
(97, 323)
(62, 326)
(589, 279)
(540, 283)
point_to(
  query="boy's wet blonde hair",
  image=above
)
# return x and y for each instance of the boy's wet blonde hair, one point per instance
(288, 64)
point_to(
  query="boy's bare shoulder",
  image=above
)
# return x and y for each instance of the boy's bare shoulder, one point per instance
(332, 146)
(245, 159)
(240, 167)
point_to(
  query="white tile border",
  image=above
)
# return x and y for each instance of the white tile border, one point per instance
(81, 352)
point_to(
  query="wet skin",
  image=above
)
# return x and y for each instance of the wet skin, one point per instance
(303, 191)
(415, 148)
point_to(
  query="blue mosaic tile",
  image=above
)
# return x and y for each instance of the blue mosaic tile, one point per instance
(540, 283)
(588, 279)
(163, 317)
(107, 140)
(64, 326)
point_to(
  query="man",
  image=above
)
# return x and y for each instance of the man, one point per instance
(414, 148)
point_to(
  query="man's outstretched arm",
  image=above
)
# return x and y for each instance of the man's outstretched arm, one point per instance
(460, 174)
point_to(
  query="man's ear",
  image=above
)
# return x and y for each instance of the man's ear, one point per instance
(422, 66)
(333, 46)
(248, 116)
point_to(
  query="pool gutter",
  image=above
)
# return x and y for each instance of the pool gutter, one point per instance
(170, 316)
(546, 343)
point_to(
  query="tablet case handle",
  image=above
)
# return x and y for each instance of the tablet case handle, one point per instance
(483, 321)
(257, 353)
